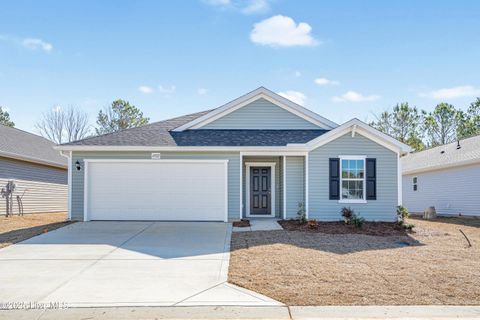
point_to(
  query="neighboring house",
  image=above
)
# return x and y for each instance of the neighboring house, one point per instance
(259, 155)
(38, 171)
(446, 177)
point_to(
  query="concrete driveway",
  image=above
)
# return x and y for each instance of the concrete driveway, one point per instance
(125, 264)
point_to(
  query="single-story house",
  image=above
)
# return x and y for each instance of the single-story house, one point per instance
(38, 172)
(445, 177)
(259, 155)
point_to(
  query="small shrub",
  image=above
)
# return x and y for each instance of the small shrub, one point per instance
(408, 226)
(402, 214)
(347, 214)
(301, 215)
(312, 224)
(357, 220)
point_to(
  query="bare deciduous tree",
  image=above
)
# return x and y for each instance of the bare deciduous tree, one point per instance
(61, 126)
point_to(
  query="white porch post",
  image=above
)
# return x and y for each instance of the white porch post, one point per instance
(241, 185)
(306, 185)
(284, 188)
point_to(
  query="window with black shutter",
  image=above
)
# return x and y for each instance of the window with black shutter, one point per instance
(371, 178)
(334, 181)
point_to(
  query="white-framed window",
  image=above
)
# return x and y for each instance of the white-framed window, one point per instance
(352, 179)
(414, 183)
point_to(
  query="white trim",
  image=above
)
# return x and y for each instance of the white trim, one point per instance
(361, 128)
(87, 161)
(275, 153)
(241, 186)
(352, 157)
(226, 191)
(160, 160)
(85, 191)
(156, 156)
(252, 96)
(249, 165)
(284, 188)
(279, 149)
(399, 180)
(353, 130)
(307, 174)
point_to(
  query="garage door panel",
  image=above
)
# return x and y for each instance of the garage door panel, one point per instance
(157, 190)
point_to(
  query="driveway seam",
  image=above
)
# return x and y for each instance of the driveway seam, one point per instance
(92, 264)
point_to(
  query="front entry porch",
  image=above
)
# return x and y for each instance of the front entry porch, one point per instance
(272, 185)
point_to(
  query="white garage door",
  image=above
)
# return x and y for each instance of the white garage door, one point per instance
(175, 190)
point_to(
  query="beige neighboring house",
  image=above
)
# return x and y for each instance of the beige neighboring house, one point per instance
(38, 171)
(446, 177)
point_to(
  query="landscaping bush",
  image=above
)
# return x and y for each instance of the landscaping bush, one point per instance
(357, 220)
(301, 215)
(402, 214)
(347, 214)
(312, 224)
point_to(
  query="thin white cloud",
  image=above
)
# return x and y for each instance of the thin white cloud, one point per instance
(145, 89)
(243, 6)
(256, 6)
(454, 92)
(202, 91)
(326, 82)
(167, 89)
(282, 31)
(28, 43)
(35, 43)
(353, 96)
(297, 74)
(295, 96)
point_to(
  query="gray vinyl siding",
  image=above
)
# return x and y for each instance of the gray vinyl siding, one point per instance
(44, 188)
(233, 174)
(261, 114)
(278, 184)
(295, 170)
(382, 209)
(451, 191)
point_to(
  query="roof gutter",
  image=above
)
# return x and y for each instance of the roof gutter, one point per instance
(177, 148)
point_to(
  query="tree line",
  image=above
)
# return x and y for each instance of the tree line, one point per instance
(421, 129)
(65, 125)
(418, 128)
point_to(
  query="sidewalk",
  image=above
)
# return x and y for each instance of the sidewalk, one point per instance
(329, 312)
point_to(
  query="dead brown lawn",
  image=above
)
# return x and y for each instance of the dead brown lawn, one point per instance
(15, 228)
(434, 265)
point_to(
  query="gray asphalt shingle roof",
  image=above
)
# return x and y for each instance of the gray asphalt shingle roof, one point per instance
(160, 134)
(442, 156)
(16, 143)
(244, 137)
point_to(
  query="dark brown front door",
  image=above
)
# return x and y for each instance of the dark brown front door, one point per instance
(260, 193)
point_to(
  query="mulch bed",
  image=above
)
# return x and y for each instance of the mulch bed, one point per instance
(16, 228)
(244, 223)
(339, 227)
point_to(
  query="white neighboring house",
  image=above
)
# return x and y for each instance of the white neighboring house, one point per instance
(446, 177)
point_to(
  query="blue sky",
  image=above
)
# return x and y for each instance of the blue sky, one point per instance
(342, 59)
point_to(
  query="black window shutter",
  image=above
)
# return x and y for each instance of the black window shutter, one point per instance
(334, 174)
(371, 176)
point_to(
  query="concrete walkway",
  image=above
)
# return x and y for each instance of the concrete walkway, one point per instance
(105, 264)
(303, 313)
(266, 224)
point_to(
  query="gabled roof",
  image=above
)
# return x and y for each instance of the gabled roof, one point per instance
(22, 145)
(445, 156)
(364, 129)
(153, 134)
(259, 93)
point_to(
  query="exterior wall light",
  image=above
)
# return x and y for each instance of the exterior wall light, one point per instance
(77, 165)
